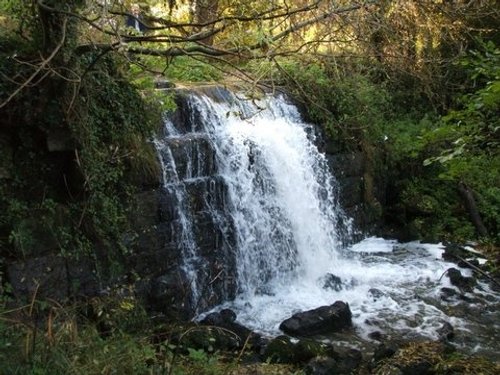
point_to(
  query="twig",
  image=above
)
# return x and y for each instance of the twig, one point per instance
(40, 67)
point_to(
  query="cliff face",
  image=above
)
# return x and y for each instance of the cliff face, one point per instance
(194, 186)
(153, 262)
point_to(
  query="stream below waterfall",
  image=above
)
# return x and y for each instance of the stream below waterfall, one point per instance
(289, 243)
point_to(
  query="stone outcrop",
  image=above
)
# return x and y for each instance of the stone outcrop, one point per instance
(156, 258)
(186, 212)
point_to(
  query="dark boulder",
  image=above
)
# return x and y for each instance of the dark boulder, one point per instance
(376, 294)
(222, 317)
(376, 335)
(330, 281)
(448, 294)
(282, 350)
(324, 319)
(209, 339)
(226, 319)
(446, 332)
(384, 351)
(462, 282)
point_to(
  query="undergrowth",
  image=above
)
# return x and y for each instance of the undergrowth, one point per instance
(105, 335)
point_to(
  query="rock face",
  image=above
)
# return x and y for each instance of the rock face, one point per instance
(52, 276)
(184, 251)
(361, 189)
(159, 240)
(324, 319)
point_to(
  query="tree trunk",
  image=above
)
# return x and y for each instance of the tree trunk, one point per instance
(471, 206)
(206, 11)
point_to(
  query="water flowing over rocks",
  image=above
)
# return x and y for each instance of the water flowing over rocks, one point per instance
(250, 220)
(246, 228)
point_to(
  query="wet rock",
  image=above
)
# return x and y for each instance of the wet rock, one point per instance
(324, 319)
(144, 211)
(384, 351)
(166, 294)
(210, 339)
(448, 293)
(330, 281)
(282, 350)
(225, 316)
(446, 332)
(228, 315)
(376, 294)
(462, 282)
(348, 361)
(376, 335)
(307, 349)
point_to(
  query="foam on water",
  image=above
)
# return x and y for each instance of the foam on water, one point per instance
(385, 293)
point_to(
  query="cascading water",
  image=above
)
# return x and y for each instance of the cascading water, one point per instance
(281, 229)
(280, 189)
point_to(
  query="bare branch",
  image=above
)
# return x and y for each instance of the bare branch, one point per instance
(42, 66)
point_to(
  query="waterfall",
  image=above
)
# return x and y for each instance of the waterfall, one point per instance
(252, 209)
(280, 211)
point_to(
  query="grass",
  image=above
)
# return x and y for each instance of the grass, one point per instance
(108, 335)
(436, 358)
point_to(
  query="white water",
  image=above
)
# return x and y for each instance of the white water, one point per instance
(290, 231)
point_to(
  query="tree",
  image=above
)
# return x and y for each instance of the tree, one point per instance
(224, 31)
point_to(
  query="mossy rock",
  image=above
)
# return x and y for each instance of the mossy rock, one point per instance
(307, 349)
(210, 339)
(282, 350)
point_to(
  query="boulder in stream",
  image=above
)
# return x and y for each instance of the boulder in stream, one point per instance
(462, 282)
(324, 319)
